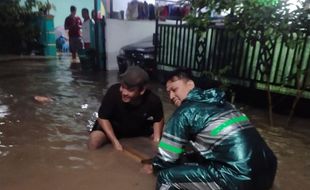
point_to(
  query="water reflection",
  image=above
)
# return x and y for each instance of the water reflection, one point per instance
(4, 110)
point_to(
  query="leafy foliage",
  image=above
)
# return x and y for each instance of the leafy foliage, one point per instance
(260, 21)
(19, 30)
(252, 19)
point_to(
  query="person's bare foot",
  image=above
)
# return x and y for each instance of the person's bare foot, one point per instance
(75, 61)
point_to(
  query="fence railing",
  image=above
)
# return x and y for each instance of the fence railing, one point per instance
(216, 49)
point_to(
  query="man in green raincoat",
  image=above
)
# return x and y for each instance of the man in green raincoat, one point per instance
(208, 144)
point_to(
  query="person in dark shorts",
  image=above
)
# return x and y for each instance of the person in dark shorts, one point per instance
(128, 109)
(73, 23)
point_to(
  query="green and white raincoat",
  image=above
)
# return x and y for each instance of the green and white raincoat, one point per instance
(226, 151)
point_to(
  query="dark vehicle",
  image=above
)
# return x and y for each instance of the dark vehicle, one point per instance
(141, 53)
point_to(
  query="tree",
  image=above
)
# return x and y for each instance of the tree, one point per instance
(19, 30)
(260, 21)
(300, 27)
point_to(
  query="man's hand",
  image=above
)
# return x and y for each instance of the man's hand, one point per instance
(155, 138)
(107, 128)
(117, 146)
(147, 169)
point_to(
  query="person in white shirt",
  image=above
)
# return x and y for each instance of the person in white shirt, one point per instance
(88, 30)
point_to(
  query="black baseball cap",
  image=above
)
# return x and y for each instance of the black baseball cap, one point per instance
(134, 76)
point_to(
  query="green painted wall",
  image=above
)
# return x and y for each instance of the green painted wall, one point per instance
(63, 8)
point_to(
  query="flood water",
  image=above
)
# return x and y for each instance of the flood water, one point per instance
(43, 145)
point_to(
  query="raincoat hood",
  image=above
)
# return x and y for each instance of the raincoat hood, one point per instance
(210, 96)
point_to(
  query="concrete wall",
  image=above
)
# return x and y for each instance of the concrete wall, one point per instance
(63, 7)
(123, 32)
(119, 5)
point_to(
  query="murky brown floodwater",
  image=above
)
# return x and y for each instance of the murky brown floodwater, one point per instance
(43, 146)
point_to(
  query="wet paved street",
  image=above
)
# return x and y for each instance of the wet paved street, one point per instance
(43, 145)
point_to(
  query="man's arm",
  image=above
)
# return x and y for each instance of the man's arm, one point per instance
(67, 23)
(107, 127)
(158, 128)
(79, 22)
(175, 137)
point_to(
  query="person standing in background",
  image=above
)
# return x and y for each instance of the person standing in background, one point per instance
(73, 24)
(88, 30)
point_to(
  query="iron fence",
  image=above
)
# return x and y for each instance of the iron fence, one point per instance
(217, 49)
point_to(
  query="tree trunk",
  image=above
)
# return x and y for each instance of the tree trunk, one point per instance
(267, 46)
(269, 104)
(292, 111)
(299, 84)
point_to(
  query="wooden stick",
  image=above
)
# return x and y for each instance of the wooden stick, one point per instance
(136, 155)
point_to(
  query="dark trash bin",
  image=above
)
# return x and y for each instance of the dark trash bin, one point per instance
(88, 59)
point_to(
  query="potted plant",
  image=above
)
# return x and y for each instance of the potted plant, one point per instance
(45, 7)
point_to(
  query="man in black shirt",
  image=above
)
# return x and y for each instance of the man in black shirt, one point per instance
(128, 109)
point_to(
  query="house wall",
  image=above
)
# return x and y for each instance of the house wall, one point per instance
(119, 5)
(123, 32)
(63, 7)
